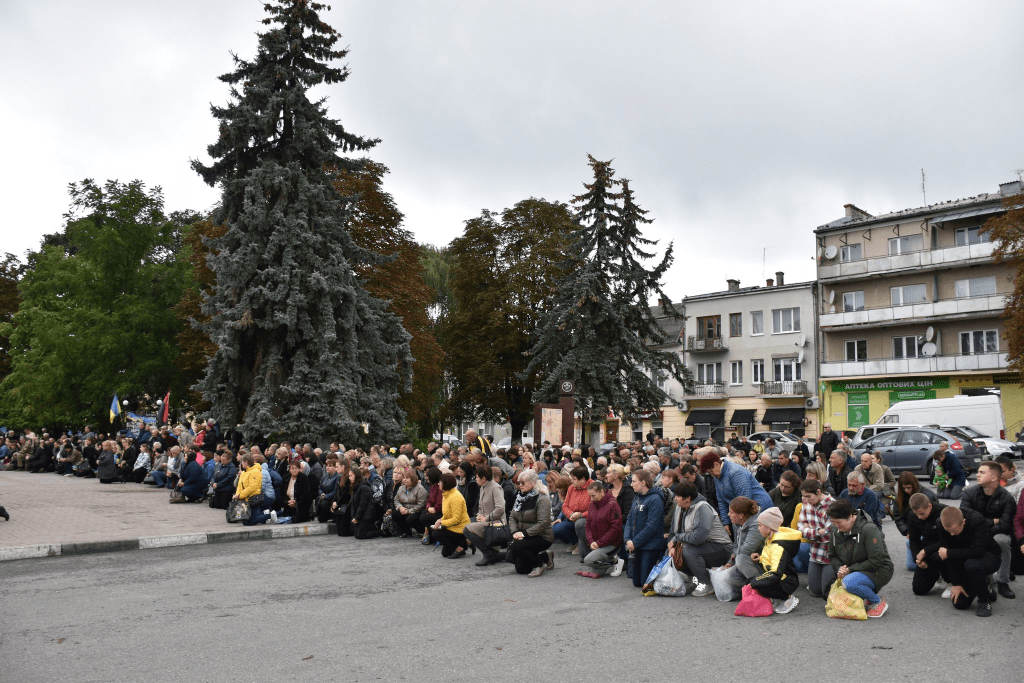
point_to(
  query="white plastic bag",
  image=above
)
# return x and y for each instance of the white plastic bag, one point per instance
(724, 591)
(670, 581)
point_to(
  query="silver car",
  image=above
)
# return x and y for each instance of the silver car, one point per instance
(910, 450)
(786, 442)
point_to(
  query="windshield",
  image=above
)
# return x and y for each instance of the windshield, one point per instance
(974, 433)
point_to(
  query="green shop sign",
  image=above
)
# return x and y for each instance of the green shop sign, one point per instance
(897, 396)
(903, 384)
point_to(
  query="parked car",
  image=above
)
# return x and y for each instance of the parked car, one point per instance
(868, 431)
(786, 442)
(991, 448)
(910, 450)
(507, 441)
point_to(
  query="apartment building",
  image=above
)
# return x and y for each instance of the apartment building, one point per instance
(909, 306)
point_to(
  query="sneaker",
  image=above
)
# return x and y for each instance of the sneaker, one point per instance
(701, 590)
(1004, 590)
(649, 593)
(947, 594)
(878, 609)
(984, 609)
(617, 570)
(536, 572)
(273, 516)
(569, 549)
(786, 607)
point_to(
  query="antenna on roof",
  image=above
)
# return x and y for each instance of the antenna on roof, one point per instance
(923, 195)
(1020, 174)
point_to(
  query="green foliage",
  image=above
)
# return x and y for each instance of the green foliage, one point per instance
(302, 348)
(599, 330)
(96, 309)
(504, 273)
(1007, 232)
(11, 270)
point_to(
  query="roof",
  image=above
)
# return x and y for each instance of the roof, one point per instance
(749, 290)
(670, 326)
(922, 211)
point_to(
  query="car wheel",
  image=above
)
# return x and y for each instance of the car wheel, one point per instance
(929, 469)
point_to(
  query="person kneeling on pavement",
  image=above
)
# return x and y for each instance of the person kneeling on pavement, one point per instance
(490, 513)
(857, 552)
(603, 532)
(778, 580)
(698, 529)
(743, 513)
(971, 555)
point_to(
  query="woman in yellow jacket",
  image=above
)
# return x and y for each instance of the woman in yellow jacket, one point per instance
(250, 482)
(448, 530)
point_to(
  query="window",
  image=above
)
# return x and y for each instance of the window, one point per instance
(887, 439)
(850, 252)
(757, 371)
(856, 349)
(736, 372)
(853, 301)
(709, 373)
(976, 286)
(906, 347)
(659, 377)
(979, 341)
(785, 320)
(905, 245)
(908, 294)
(756, 322)
(709, 327)
(786, 369)
(735, 324)
(965, 236)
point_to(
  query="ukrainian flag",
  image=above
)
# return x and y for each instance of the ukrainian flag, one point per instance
(115, 409)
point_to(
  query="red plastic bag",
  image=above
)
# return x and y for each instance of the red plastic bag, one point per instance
(753, 604)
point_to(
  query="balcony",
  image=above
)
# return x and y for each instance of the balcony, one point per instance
(915, 366)
(792, 388)
(700, 344)
(928, 259)
(702, 390)
(934, 311)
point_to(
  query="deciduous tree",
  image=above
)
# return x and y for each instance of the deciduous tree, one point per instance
(1007, 231)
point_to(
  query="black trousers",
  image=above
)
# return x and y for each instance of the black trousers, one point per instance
(972, 575)
(528, 554)
(449, 540)
(925, 579)
(367, 528)
(424, 520)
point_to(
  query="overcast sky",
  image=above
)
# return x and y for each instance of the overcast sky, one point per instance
(742, 126)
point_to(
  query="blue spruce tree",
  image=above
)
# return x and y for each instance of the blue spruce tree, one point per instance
(599, 329)
(302, 349)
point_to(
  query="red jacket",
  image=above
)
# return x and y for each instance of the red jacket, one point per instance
(576, 500)
(604, 522)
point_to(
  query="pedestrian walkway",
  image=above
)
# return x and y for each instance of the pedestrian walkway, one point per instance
(54, 515)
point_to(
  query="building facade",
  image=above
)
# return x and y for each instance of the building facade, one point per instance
(910, 307)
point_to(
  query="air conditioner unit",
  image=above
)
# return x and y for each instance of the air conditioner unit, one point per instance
(812, 403)
(684, 406)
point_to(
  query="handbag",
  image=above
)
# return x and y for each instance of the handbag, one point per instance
(677, 557)
(176, 494)
(842, 604)
(238, 511)
(148, 479)
(256, 501)
(753, 604)
(497, 534)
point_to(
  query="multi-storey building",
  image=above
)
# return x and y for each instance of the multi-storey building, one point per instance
(910, 306)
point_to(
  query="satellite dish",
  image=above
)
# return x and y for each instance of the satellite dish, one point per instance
(800, 356)
(832, 309)
(803, 339)
(929, 334)
(832, 296)
(929, 349)
(831, 251)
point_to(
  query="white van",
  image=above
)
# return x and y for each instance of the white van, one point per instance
(984, 414)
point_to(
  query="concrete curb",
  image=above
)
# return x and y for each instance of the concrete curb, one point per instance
(27, 552)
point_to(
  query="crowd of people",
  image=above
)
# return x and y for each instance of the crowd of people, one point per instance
(733, 514)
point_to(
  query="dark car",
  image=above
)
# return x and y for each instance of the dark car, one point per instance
(910, 450)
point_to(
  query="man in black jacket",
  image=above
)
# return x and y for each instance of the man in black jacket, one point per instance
(923, 533)
(992, 502)
(828, 441)
(838, 472)
(966, 546)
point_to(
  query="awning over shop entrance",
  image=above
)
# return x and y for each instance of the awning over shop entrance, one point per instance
(778, 416)
(706, 417)
(742, 417)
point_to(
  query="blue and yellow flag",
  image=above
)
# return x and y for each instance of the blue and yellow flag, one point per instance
(115, 409)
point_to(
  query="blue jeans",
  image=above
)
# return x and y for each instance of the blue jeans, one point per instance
(860, 585)
(566, 531)
(911, 565)
(160, 478)
(803, 558)
(257, 516)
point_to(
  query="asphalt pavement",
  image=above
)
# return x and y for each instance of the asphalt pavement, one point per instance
(328, 608)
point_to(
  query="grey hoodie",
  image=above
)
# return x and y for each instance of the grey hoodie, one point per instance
(698, 524)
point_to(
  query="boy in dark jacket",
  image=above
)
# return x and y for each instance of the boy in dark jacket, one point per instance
(966, 546)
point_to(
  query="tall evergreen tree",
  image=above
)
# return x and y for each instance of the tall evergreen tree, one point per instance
(302, 348)
(600, 330)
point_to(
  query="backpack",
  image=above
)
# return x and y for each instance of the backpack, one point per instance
(377, 489)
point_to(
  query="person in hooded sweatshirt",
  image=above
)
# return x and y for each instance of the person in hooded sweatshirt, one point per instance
(857, 552)
(697, 527)
(778, 580)
(603, 532)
